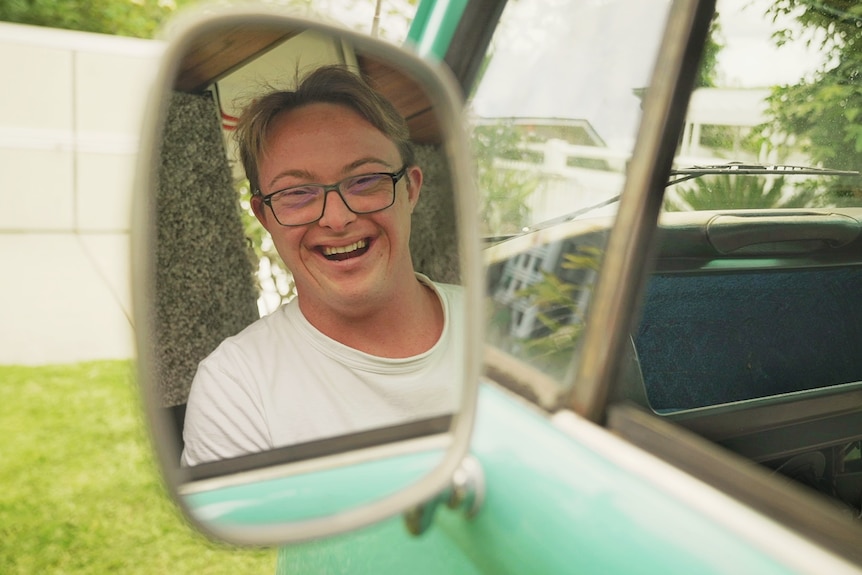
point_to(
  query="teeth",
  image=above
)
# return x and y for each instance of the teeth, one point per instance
(344, 249)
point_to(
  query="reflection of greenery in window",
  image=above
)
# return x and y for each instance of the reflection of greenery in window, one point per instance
(560, 304)
(720, 137)
(504, 191)
(540, 322)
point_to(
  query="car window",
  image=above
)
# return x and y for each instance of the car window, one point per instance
(759, 262)
(773, 120)
(554, 117)
(749, 330)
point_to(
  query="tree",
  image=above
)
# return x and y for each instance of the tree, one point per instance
(274, 279)
(139, 18)
(559, 301)
(143, 18)
(823, 113)
(504, 191)
(707, 74)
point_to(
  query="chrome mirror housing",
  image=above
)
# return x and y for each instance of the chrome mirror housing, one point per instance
(197, 281)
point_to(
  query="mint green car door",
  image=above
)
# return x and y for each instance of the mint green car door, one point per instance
(554, 114)
(553, 505)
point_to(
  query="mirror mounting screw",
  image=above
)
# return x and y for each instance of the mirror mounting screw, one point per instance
(466, 492)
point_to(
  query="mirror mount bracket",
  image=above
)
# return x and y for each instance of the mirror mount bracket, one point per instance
(466, 492)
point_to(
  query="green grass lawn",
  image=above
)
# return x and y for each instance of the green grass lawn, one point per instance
(79, 491)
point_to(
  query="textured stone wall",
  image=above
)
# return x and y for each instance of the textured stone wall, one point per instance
(205, 287)
(433, 240)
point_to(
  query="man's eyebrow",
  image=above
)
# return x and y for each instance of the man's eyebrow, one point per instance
(306, 175)
(294, 173)
(366, 160)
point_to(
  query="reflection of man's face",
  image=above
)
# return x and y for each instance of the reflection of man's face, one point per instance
(323, 144)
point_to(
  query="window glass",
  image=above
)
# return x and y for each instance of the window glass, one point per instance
(554, 118)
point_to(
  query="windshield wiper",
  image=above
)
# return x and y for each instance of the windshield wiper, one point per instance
(569, 216)
(753, 169)
(690, 174)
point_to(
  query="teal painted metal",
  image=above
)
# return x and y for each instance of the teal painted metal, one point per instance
(434, 25)
(311, 495)
(552, 506)
(384, 549)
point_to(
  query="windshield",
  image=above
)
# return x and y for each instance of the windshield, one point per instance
(776, 92)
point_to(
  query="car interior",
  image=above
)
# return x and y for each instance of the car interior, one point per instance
(757, 349)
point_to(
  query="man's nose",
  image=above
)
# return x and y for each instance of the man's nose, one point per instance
(336, 214)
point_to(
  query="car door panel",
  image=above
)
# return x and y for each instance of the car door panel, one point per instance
(553, 505)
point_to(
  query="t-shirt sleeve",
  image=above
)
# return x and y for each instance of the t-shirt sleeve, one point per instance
(224, 416)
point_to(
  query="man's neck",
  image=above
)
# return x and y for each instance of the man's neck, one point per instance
(404, 327)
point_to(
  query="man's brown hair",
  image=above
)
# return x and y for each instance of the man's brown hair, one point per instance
(328, 84)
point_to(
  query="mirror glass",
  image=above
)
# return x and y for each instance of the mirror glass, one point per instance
(302, 277)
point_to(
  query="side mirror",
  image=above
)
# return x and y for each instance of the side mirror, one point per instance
(194, 286)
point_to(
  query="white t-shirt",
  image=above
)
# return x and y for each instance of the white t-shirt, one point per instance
(281, 381)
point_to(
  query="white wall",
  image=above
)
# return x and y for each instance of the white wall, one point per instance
(70, 112)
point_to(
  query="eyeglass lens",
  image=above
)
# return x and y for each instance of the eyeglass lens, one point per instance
(305, 204)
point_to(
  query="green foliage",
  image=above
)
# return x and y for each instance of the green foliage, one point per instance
(138, 18)
(822, 113)
(81, 494)
(273, 271)
(738, 192)
(504, 192)
(730, 139)
(143, 18)
(559, 302)
(707, 73)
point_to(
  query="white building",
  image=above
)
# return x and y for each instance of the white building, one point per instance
(70, 113)
(739, 109)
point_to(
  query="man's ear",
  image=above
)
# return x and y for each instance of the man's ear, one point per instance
(259, 209)
(414, 185)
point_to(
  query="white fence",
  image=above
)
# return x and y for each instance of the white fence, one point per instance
(565, 187)
(569, 186)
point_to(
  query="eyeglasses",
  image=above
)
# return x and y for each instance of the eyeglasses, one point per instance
(362, 194)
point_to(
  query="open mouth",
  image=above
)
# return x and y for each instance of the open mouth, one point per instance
(340, 253)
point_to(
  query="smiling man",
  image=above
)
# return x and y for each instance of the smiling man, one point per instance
(367, 342)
